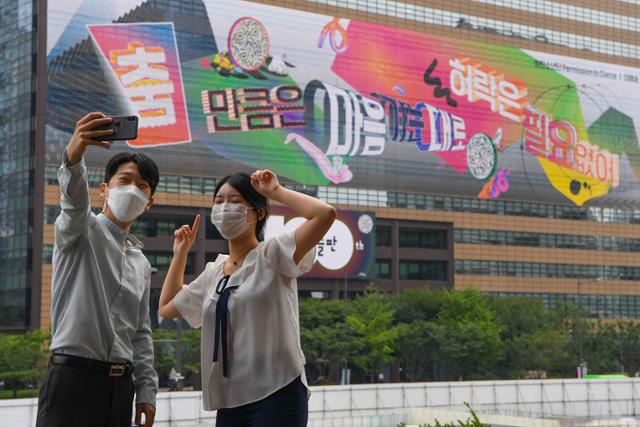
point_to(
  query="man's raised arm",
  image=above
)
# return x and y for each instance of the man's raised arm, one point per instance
(72, 178)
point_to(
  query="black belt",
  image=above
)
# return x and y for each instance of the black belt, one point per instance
(222, 322)
(94, 366)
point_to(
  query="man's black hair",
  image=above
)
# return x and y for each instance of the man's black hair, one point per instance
(242, 183)
(147, 167)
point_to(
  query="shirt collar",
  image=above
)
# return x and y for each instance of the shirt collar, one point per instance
(119, 234)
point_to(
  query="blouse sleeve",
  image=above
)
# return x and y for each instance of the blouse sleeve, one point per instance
(279, 251)
(190, 299)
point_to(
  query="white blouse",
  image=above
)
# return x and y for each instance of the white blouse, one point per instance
(264, 352)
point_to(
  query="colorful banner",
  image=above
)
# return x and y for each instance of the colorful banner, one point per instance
(144, 60)
(347, 251)
(328, 101)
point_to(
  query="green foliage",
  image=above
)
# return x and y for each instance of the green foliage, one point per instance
(23, 358)
(325, 337)
(417, 349)
(415, 313)
(413, 305)
(445, 335)
(469, 335)
(544, 350)
(450, 335)
(372, 317)
(20, 394)
(164, 350)
(628, 344)
(472, 421)
(165, 354)
(608, 347)
(534, 338)
(600, 347)
(523, 316)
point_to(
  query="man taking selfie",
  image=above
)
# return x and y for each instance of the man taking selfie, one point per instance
(101, 332)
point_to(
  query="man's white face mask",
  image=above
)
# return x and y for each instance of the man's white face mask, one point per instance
(127, 202)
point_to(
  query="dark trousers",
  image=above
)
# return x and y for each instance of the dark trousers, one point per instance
(287, 407)
(70, 397)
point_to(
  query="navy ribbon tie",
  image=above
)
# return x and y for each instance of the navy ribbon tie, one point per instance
(222, 322)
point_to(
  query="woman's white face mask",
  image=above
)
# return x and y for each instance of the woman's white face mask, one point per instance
(230, 219)
(127, 202)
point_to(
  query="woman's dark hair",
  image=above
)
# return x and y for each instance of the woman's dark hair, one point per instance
(147, 167)
(242, 184)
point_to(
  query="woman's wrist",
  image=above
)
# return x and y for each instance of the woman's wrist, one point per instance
(274, 195)
(180, 256)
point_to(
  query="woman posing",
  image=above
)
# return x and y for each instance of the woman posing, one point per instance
(247, 302)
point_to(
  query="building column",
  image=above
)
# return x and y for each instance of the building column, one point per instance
(38, 116)
(395, 256)
(335, 289)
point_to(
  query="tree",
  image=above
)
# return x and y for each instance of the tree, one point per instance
(600, 348)
(191, 357)
(164, 357)
(520, 315)
(468, 336)
(164, 341)
(591, 341)
(23, 358)
(371, 316)
(326, 339)
(576, 326)
(417, 304)
(417, 348)
(629, 346)
(543, 351)
(533, 337)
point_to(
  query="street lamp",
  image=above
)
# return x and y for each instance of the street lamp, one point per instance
(582, 367)
(346, 373)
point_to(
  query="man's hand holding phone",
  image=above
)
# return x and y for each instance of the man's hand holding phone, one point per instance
(85, 135)
(99, 130)
(124, 128)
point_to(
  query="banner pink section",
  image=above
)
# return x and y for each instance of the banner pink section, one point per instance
(396, 63)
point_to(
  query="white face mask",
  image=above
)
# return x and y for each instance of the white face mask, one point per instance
(230, 219)
(127, 202)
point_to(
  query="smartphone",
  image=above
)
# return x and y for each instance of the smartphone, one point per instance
(124, 128)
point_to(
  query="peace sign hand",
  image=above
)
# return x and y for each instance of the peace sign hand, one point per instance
(184, 237)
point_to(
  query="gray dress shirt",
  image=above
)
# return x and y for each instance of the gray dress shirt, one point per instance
(100, 287)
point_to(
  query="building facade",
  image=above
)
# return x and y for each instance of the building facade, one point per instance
(22, 96)
(540, 226)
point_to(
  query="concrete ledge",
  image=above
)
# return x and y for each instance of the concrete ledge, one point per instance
(526, 403)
